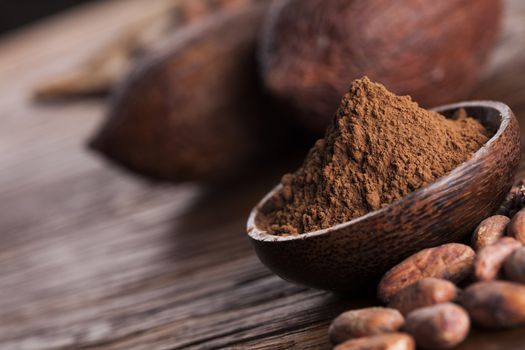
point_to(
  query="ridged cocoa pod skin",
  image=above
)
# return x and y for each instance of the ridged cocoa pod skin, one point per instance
(496, 304)
(490, 259)
(365, 322)
(489, 231)
(514, 266)
(441, 326)
(388, 341)
(192, 109)
(423, 293)
(516, 226)
(452, 261)
(432, 50)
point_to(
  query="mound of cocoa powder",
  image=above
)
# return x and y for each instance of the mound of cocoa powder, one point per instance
(379, 148)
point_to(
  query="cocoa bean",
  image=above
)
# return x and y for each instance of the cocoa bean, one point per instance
(452, 261)
(516, 226)
(490, 259)
(489, 231)
(496, 304)
(425, 292)
(514, 266)
(365, 322)
(389, 341)
(440, 326)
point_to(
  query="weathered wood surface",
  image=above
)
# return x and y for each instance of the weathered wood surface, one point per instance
(93, 258)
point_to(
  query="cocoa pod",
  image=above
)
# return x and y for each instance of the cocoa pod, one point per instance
(389, 341)
(490, 259)
(311, 49)
(489, 231)
(440, 326)
(193, 109)
(452, 261)
(496, 304)
(364, 322)
(514, 266)
(425, 292)
(516, 226)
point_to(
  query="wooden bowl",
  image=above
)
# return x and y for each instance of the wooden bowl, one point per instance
(354, 254)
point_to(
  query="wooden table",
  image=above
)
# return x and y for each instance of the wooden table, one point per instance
(94, 258)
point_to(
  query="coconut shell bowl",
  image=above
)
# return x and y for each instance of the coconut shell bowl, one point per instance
(351, 256)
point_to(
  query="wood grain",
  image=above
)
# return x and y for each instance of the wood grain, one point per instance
(92, 258)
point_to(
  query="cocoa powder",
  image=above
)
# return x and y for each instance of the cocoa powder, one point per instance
(379, 148)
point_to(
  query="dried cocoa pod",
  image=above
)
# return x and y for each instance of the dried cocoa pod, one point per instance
(452, 261)
(441, 326)
(490, 259)
(516, 226)
(496, 304)
(194, 109)
(365, 322)
(311, 50)
(389, 341)
(514, 266)
(489, 231)
(425, 292)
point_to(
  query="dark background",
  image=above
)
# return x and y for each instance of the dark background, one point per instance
(15, 13)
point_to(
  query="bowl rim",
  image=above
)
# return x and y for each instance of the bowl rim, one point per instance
(506, 115)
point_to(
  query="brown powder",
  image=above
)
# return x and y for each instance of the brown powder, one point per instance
(379, 148)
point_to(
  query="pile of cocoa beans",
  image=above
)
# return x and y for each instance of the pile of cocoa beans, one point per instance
(433, 296)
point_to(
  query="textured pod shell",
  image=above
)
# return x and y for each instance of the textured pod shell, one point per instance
(432, 50)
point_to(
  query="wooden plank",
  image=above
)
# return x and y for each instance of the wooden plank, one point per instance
(94, 258)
